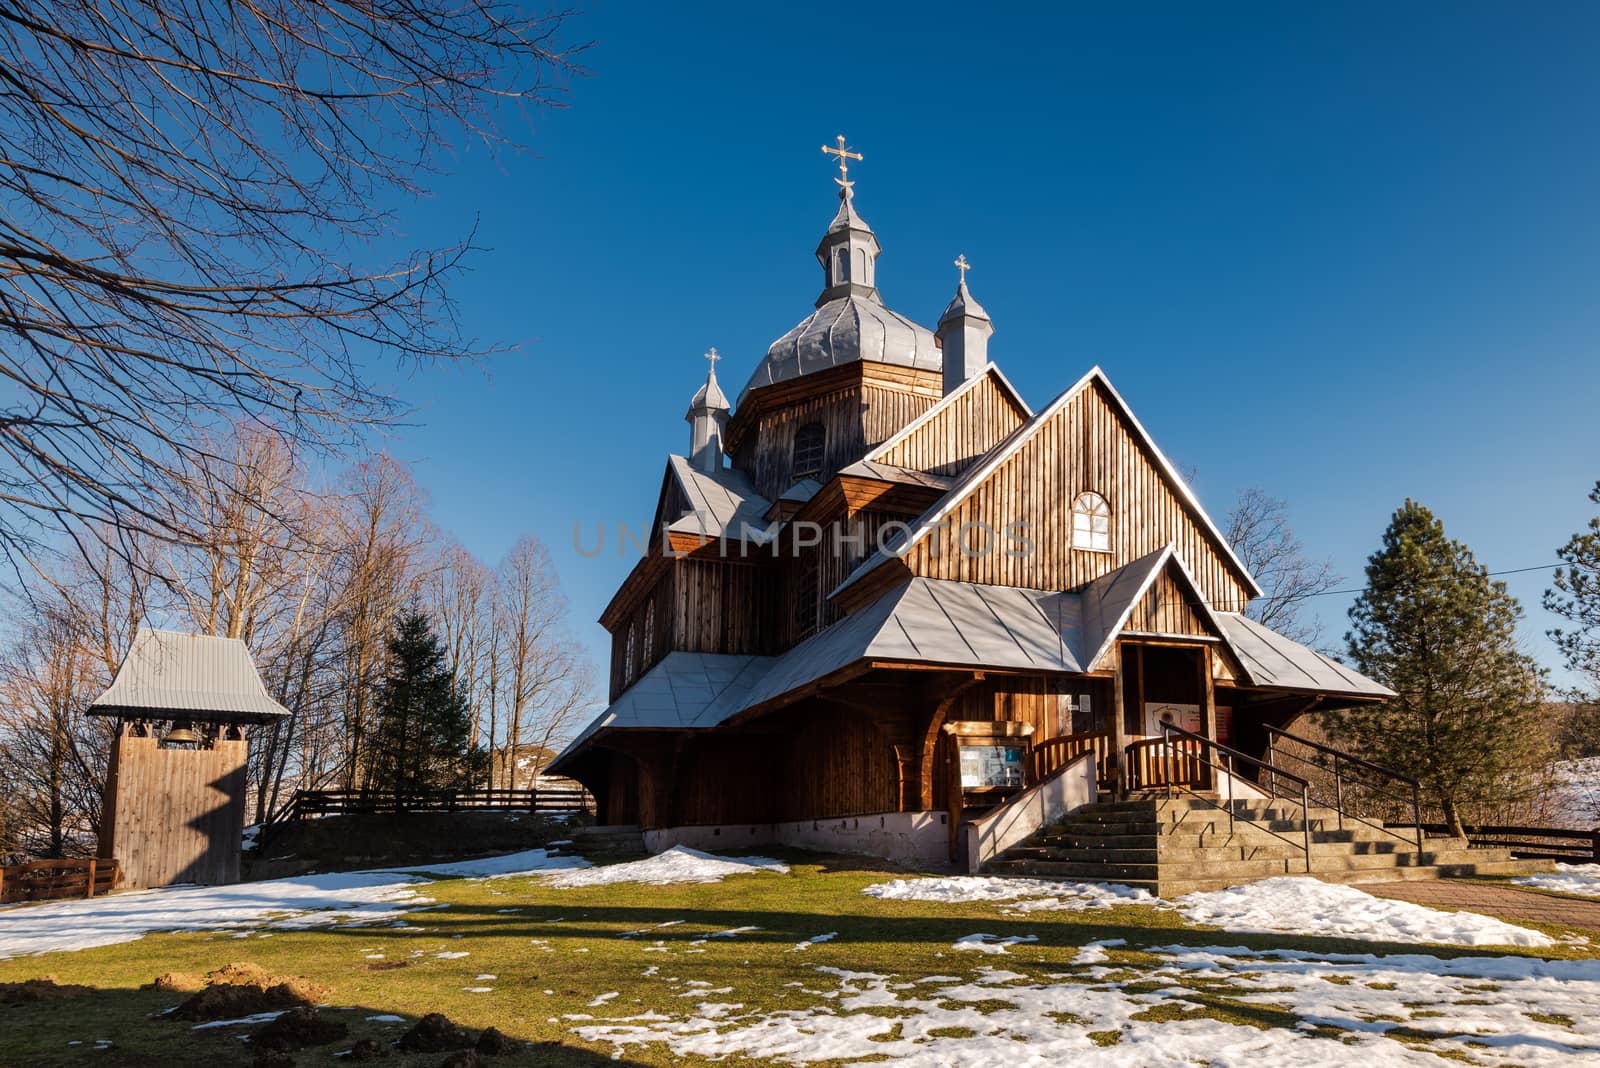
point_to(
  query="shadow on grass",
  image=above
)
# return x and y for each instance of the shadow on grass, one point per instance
(69, 1032)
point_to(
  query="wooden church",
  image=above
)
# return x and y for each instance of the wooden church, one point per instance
(883, 593)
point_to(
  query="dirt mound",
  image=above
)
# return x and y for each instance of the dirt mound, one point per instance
(366, 1049)
(176, 983)
(495, 1043)
(435, 1033)
(33, 991)
(244, 989)
(297, 1029)
(467, 1058)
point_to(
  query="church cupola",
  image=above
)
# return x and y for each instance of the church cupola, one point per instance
(849, 250)
(708, 421)
(963, 334)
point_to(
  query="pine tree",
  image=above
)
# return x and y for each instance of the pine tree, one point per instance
(1575, 597)
(1433, 627)
(421, 739)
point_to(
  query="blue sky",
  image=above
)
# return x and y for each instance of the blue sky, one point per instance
(1346, 253)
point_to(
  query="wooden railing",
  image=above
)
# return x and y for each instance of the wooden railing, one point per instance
(1165, 762)
(49, 880)
(1046, 757)
(1534, 843)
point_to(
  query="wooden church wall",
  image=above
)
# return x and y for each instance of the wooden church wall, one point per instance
(951, 441)
(841, 763)
(826, 568)
(175, 815)
(1082, 447)
(870, 409)
(1165, 609)
(701, 606)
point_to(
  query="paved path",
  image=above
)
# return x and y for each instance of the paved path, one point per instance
(1503, 901)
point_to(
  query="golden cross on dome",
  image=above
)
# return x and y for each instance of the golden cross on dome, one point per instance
(963, 266)
(844, 155)
(713, 356)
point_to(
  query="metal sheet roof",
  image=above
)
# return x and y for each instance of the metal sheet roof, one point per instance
(891, 473)
(721, 504)
(848, 329)
(1273, 660)
(930, 621)
(684, 690)
(170, 675)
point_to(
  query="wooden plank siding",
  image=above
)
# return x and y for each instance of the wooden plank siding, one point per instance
(1085, 445)
(952, 440)
(175, 815)
(1166, 609)
(856, 411)
(702, 606)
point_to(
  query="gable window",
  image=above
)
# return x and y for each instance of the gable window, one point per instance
(809, 442)
(1091, 523)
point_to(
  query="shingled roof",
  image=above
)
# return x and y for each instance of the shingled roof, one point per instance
(170, 675)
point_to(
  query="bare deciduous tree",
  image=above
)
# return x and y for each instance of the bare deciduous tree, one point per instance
(196, 230)
(1259, 531)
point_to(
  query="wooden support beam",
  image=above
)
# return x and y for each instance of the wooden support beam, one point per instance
(1119, 718)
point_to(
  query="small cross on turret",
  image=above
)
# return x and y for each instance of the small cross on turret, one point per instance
(844, 154)
(713, 356)
(963, 266)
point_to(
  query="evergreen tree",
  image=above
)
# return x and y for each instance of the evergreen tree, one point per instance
(421, 738)
(1575, 597)
(1433, 627)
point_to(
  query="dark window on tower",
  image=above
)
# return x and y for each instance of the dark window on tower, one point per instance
(842, 259)
(805, 601)
(809, 442)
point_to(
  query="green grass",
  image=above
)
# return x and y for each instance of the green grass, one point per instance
(548, 970)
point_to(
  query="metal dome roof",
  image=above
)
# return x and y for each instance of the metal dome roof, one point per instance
(845, 330)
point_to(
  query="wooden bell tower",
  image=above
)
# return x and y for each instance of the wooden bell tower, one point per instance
(175, 791)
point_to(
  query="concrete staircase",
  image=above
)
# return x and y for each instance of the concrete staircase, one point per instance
(1175, 846)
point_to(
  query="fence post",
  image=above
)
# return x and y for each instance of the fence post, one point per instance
(92, 863)
(2, 886)
(1594, 846)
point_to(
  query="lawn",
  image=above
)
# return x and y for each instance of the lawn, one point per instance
(802, 967)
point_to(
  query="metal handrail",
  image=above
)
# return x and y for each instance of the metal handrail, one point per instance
(1169, 731)
(1339, 755)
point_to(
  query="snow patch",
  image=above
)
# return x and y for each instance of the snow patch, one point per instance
(360, 897)
(1567, 879)
(958, 889)
(988, 943)
(679, 864)
(527, 862)
(1301, 905)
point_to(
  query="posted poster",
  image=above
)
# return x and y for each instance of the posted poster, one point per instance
(1158, 712)
(990, 765)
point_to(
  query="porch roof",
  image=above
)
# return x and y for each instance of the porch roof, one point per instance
(1276, 662)
(963, 625)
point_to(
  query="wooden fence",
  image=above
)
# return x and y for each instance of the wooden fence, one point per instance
(312, 804)
(1534, 843)
(48, 880)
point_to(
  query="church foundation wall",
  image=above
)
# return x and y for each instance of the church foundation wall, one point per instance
(915, 839)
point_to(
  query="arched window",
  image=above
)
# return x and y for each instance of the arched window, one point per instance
(1091, 523)
(809, 443)
(842, 270)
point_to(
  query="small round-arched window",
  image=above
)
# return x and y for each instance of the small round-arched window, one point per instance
(842, 273)
(1091, 523)
(810, 442)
